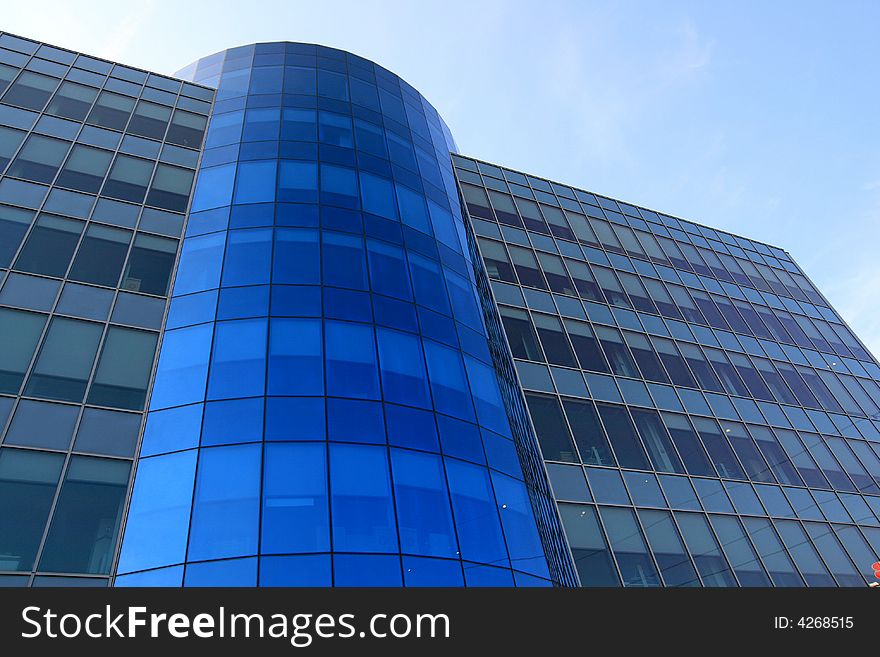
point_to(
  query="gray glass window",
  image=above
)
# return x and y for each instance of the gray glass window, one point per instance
(65, 361)
(101, 255)
(14, 223)
(82, 536)
(72, 101)
(39, 159)
(49, 247)
(128, 179)
(10, 140)
(31, 90)
(20, 333)
(27, 487)
(111, 111)
(124, 369)
(85, 169)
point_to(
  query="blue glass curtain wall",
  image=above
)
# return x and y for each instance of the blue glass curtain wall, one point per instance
(326, 410)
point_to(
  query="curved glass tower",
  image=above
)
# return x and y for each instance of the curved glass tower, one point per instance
(334, 403)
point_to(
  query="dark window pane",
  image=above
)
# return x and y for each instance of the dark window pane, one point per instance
(554, 340)
(123, 372)
(630, 453)
(14, 223)
(588, 433)
(27, 487)
(633, 559)
(618, 355)
(657, 441)
(689, 448)
(586, 346)
(10, 140)
(82, 537)
(101, 255)
(50, 246)
(149, 265)
(588, 547)
(672, 559)
(520, 334)
(739, 550)
(704, 549)
(553, 434)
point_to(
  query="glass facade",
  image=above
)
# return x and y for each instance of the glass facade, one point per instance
(706, 418)
(92, 202)
(326, 408)
(263, 326)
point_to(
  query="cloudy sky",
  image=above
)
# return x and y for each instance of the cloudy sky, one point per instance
(755, 117)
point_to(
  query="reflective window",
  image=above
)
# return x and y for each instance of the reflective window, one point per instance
(111, 111)
(21, 334)
(65, 360)
(27, 486)
(101, 255)
(39, 159)
(150, 262)
(82, 536)
(124, 368)
(588, 547)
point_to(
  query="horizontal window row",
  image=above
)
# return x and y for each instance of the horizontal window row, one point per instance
(66, 352)
(576, 430)
(643, 547)
(87, 169)
(92, 253)
(52, 425)
(305, 497)
(303, 256)
(311, 357)
(760, 317)
(644, 489)
(80, 100)
(555, 194)
(571, 343)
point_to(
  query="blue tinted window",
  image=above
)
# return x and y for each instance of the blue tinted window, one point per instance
(335, 129)
(377, 196)
(476, 514)
(224, 129)
(200, 264)
(366, 570)
(158, 517)
(296, 256)
(422, 571)
(261, 124)
(388, 271)
(234, 421)
(520, 528)
(226, 507)
(487, 397)
(344, 261)
(238, 364)
(412, 209)
(228, 572)
(428, 283)
(248, 254)
(409, 427)
(297, 181)
(339, 186)
(332, 85)
(351, 360)
(299, 124)
(172, 430)
(363, 517)
(295, 511)
(213, 188)
(448, 384)
(403, 370)
(299, 80)
(295, 418)
(183, 367)
(256, 182)
(304, 570)
(423, 514)
(295, 362)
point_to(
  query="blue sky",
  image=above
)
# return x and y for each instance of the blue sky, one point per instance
(756, 117)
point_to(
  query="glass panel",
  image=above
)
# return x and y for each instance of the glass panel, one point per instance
(85, 169)
(123, 373)
(65, 361)
(20, 332)
(82, 537)
(27, 487)
(633, 558)
(295, 507)
(149, 265)
(101, 255)
(739, 551)
(588, 547)
(704, 549)
(39, 159)
(674, 563)
(361, 502)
